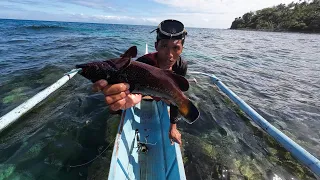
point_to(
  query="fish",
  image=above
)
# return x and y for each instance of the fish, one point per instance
(143, 79)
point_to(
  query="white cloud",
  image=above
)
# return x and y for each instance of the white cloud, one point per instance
(213, 13)
(95, 4)
(125, 19)
(199, 19)
(119, 18)
(221, 6)
(153, 21)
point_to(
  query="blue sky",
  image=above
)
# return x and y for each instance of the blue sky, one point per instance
(193, 13)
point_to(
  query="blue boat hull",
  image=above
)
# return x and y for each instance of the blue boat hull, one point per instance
(147, 122)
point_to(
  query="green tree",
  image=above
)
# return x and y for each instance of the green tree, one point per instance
(247, 17)
(303, 16)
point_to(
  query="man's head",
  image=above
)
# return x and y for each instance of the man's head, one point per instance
(170, 39)
(171, 29)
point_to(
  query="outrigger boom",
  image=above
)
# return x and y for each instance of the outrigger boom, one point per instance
(296, 150)
(16, 113)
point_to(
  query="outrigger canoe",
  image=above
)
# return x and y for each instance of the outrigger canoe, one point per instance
(142, 149)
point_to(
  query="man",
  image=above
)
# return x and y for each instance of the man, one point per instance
(169, 45)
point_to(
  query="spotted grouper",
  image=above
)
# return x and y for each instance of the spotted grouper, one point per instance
(143, 79)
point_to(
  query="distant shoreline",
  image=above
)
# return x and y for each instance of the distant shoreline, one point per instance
(301, 17)
(281, 31)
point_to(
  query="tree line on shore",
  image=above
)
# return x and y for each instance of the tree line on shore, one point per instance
(302, 16)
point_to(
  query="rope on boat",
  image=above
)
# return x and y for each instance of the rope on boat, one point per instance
(99, 155)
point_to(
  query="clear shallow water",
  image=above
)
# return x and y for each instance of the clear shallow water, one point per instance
(276, 73)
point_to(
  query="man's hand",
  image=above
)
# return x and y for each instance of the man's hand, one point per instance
(174, 134)
(117, 96)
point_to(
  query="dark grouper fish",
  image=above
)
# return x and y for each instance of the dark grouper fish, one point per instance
(143, 79)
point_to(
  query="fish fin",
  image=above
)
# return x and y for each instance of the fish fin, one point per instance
(125, 60)
(189, 111)
(181, 81)
(122, 63)
(131, 52)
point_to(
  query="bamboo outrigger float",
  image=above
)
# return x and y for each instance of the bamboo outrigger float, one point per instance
(297, 151)
(16, 113)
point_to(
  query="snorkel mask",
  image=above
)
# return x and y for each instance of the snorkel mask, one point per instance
(170, 29)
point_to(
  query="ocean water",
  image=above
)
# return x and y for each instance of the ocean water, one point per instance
(278, 74)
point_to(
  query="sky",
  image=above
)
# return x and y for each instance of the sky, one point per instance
(192, 13)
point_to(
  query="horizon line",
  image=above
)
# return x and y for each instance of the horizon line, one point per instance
(103, 23)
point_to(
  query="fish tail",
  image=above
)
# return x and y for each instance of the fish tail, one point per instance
(189, 111)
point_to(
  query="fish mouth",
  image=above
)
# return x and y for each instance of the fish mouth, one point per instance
(82, 66)
(87, 69)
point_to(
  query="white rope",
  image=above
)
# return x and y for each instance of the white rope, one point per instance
(92, 159)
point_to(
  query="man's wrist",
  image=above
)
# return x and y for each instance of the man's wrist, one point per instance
(173, 120)
(173, 126)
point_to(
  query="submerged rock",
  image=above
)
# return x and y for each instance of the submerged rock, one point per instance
(248, 169)
(198, 155)
(99, 169)
(62, 151)
(112, 128)
(15, 95)
(6, 170)
(9, 171)
(21, 176)
(33, 152)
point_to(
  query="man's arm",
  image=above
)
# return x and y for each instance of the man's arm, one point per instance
(180, 68)
(174, 134)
